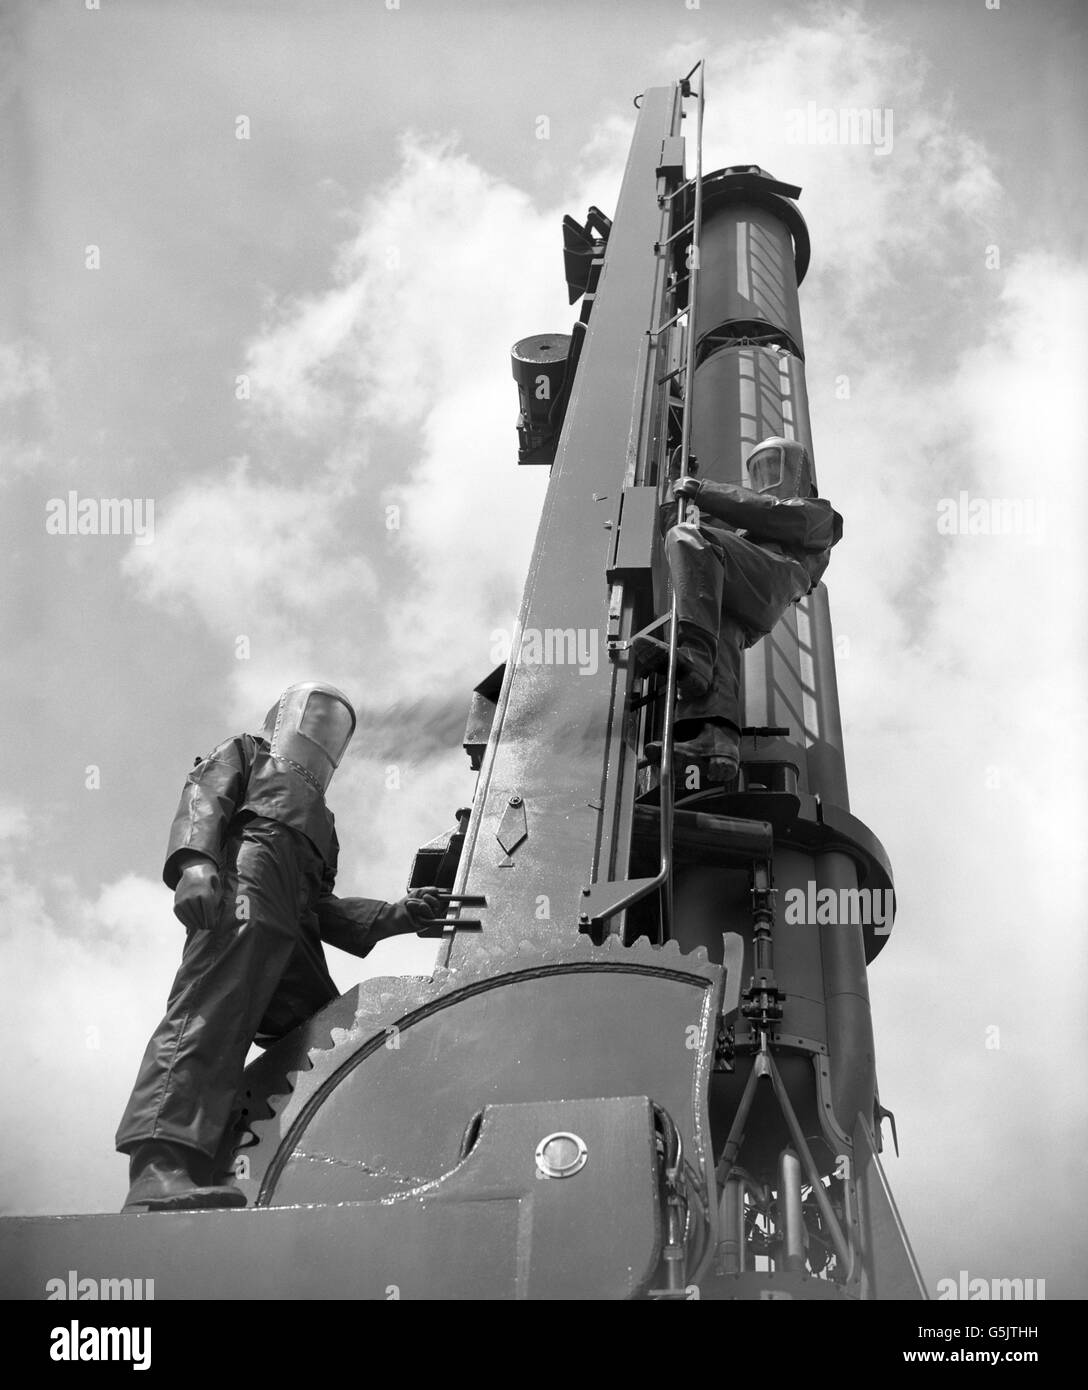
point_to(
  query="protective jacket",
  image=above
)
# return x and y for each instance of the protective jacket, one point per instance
(240, 781)
(260, 971)
(800, 529)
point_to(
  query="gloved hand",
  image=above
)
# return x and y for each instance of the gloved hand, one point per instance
(196, 898)
(412, 913)
(686, 487)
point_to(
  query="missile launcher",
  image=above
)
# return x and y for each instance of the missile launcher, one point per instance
(644, 1066)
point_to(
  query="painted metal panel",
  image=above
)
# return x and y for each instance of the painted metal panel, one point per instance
(554, 716)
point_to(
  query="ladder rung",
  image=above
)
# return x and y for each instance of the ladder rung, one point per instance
(658, 245)
(656, 332)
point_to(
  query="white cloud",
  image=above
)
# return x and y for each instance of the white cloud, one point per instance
(286, 364)
(27, 405)
(82, 984)
(240, 546)
(401, 370)
(444, 258)
(271, 562)
(24, 370)
(14, 823)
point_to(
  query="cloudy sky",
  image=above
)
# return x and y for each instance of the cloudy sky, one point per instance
(262, 267)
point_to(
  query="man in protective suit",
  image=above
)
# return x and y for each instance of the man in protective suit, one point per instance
(252, 861)
(735, 570)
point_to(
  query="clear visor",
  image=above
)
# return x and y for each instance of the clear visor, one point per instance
(766, 468)
(328, 722)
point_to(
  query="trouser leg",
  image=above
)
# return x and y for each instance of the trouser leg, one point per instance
(192, 1068)
(306, 987)
(722, 700)
(757, 587)
(695, 567)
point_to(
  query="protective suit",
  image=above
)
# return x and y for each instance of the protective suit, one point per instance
(753, 552)
(252, 858)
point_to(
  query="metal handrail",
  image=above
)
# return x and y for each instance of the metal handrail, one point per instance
(665, 792)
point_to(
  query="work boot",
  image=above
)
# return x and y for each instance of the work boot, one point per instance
(715, 744)
(694, 663)
(162, 1178)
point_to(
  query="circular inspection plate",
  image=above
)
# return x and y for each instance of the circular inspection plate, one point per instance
(561, 1155)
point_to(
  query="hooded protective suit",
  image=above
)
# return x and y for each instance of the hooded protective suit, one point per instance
(753, 553)
(253, 821)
